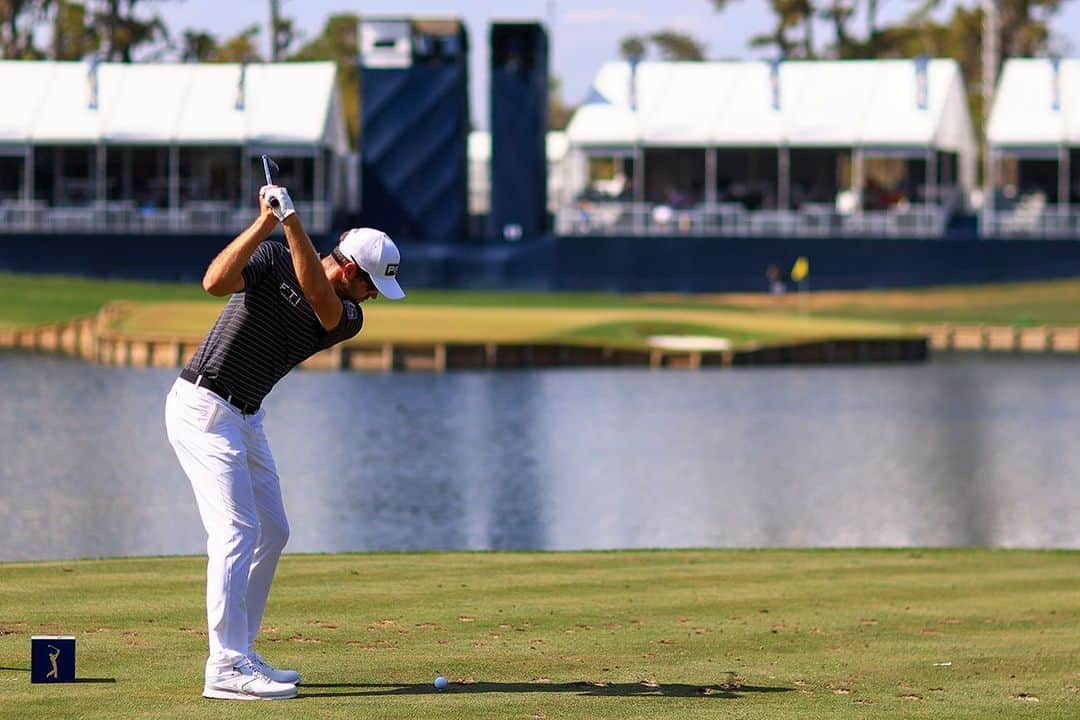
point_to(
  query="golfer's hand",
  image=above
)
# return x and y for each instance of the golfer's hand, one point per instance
(278, 199)
(265, 211)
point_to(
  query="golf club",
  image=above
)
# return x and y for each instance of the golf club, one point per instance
(270, 167)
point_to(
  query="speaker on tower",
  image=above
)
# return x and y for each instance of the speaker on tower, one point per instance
(519, 106)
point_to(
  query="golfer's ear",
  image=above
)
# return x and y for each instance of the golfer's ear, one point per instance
(349, 271)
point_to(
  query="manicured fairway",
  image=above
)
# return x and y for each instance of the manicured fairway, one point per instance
(34, 299)
(631, 326)
(815, 634)
(29, 299)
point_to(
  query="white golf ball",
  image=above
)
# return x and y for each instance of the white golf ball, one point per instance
(441, 683)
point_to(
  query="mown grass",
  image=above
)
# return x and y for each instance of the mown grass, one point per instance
(822, 634)
(584, 318)
(36, 299)
(1055, 302)
(32, 299)
(630, 326)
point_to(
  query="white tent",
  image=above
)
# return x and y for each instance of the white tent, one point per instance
(838, 103)
(283, 104)
(195, 127)
(1034, 107)
(870, 106)
(1035, 121)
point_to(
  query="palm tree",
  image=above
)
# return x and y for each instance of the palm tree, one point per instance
(674, 45)
(632, 48)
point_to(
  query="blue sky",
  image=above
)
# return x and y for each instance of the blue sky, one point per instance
(584, 34)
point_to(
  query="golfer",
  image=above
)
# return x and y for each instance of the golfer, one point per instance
(286, 305)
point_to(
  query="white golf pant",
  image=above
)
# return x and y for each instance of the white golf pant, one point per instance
(225, 455)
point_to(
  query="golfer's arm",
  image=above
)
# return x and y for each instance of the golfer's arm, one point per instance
(309, 271)
(225, 274)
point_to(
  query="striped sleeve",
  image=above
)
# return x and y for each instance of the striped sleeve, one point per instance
(352, 319)
(261, 261)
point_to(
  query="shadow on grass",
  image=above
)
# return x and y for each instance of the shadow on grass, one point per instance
(578, 688)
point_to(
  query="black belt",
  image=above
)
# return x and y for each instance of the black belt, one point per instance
(222, 392)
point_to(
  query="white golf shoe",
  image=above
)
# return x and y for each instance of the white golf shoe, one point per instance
(246, 682)
(275, 674)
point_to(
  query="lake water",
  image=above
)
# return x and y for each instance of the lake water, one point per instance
(962, 451)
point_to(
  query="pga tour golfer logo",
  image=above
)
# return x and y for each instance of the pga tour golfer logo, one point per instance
(391, 269)
(52, 658)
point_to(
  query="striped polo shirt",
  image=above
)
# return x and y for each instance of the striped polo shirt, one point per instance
(267, 329)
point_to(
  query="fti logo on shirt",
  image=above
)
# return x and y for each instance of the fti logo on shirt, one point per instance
(290, 294)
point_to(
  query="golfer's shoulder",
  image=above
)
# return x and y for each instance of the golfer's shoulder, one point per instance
(269, 252)
(352, 317)
(277, 251)
(276, 255)
(352, 320)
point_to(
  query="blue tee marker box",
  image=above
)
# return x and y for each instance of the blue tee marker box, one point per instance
(52, 658)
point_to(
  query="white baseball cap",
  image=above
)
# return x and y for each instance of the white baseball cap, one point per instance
(377, 255)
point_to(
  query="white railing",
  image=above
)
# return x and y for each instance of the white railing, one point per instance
(733, 219)
(1051, 221)
(126, 217)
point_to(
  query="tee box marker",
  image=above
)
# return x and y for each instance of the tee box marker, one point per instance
(52, 658)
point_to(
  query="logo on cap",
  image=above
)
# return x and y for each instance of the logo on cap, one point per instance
(391, 269)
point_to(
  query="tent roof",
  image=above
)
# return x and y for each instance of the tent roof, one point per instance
(161, 103)
(822, 103)
(1023, 114)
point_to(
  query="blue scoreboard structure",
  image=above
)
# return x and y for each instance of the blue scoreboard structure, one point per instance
(414, 128)
(519, 107)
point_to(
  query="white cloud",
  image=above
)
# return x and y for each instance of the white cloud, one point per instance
(602, 16)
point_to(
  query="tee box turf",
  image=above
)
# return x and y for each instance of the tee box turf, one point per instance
(52, 658)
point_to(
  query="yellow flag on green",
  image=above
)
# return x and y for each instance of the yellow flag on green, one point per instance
(800, 269)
